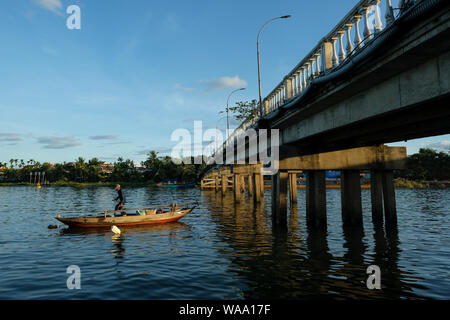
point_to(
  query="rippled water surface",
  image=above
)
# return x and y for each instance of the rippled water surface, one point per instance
(220, 250)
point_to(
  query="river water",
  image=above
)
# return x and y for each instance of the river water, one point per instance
(221, 250)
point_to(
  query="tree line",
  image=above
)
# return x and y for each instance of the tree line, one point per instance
(154, 169)
(427, 165)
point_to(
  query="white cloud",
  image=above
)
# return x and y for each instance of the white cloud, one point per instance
(103, 137)
(225, 83)
(51, 5)
(441, 145)
(181, 88)
(58, 142)
(10, 137)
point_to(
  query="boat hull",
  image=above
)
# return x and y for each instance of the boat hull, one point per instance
(129, 220)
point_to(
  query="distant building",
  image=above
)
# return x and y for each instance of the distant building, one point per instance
(140, 168)
(106, 167)
(2, 172)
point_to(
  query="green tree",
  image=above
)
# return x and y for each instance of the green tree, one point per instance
(244, 110)
(80, 171)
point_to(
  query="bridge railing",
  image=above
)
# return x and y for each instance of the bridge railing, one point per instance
(364, 21)
(353, 33)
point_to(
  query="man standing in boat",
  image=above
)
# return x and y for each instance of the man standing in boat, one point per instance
(120, 198)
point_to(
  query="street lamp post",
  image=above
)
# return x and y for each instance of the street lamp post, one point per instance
(228, 118)
(217, 130)
(257, 52)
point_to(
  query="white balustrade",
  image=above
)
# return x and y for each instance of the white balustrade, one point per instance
(300, 81)
(326, 56)
(378, 27)
(334, 57)
(313, 71)
(389, 13)
(304, 76)
(349, 47)
(341, 46)
(317, 56)
(358, 39)
(367, 33)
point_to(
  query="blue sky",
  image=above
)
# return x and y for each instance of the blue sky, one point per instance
(137, 70)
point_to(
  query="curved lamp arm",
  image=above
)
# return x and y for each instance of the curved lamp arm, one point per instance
(257, 53)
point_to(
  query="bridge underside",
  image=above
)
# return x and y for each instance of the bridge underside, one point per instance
(430, 118)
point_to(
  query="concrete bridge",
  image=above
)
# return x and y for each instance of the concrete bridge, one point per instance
(357, 89)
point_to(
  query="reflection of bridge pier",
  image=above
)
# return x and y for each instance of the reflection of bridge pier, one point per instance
(281, 260)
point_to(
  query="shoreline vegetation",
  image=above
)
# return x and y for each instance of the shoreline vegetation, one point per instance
(95, 173)
(401, 183)
(74, 184)
(426, 169)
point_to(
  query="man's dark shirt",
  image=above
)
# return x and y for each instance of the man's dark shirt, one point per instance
(119, 195)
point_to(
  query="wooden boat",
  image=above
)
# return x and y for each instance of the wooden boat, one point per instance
(141, 216)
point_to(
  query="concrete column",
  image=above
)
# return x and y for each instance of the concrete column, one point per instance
(217, 183)
(256, 182)
(250, 185)
(316, 209)
(224, 183)
(237, 187)
(274, 191)
(351, 197)
(390, 210)
(242, 183)
(293, 188)
(279, 196)
(376, 193)
(261, 185)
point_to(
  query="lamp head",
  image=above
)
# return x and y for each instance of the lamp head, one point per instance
(285, 17)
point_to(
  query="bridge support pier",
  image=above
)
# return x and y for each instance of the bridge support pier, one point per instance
(242, 184)
(351, 205)
(250, 185)
(376, 195)
(224, 183)
(263, 188)
(216, 183)
(390, 210)
(293, 188)
(237, 187)
(256, 182)
(316, 197)
(279, 196)
(383, 190)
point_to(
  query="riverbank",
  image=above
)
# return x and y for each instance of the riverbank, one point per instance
(82, 184)
(399, 183)
(411, 184)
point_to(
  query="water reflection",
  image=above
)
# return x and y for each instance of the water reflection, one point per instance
(287, 260)
(118, 252)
